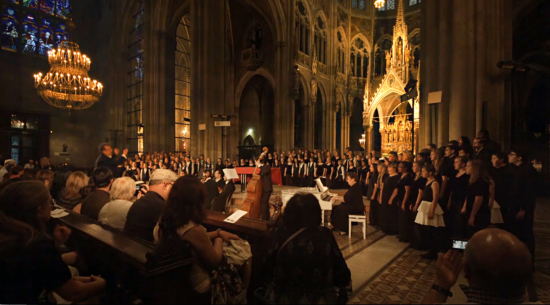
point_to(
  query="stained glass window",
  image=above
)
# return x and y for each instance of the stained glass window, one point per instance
(135, 82)
(31, 3)
(353, 3)
(183, 84)
(14, 1)
(29, 35)
(61, 34)
(362, 5)
(63, 8)
(391, 4)
(10, 32)
(413, 2)
(46, 37)
(48, 6)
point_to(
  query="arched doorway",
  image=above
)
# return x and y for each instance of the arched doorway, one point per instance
(318, 130)
(377, 138)
(356, 125)
(256, 116)
(339, 129)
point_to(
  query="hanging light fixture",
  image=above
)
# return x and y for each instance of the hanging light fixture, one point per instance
(67, 84)
(379, 3)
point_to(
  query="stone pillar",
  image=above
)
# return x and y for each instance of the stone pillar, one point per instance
(208, 72)
(462, 42)
(369, 141)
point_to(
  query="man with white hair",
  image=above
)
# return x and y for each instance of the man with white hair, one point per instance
(114, 213)
(145, 212)
(5, 169)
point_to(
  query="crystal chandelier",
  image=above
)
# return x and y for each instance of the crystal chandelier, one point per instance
(67, 85)
(379, 3)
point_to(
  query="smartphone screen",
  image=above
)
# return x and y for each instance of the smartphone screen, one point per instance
(459, 244)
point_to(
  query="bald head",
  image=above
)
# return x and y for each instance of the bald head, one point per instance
(497, 261)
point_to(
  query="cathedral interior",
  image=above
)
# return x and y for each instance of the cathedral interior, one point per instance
(286, 74)
(225, 78)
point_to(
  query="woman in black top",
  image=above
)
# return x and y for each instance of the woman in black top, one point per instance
(476, 207)
(320, 170)
(417, 191)
(352, 203)
(288, 171)
(430, 214)
(328, 173)
(389, 221)
(305, 264)
(404, 201)
(458, 187)
(352, 169)
(377, 194)
(363, 174)
(29, 260)
(371, 187)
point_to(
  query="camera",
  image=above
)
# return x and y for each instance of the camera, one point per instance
(140, 185)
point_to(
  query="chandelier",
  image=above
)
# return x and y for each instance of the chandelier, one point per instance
(379, 3)
(67, 84)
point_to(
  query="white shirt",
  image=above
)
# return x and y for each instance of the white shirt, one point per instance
(31, 166)
(114, 213)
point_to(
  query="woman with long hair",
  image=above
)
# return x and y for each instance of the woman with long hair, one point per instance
(476, 206)
(377, 194)
(430, 214)
(458, 187)
(437, 157)
(329, 172)
(300, 231)
(372, 180)
(182, 219)
(46, 176)
(363, 173)
(389, 221)
(405, 201)
(70, 195)
(29, 260)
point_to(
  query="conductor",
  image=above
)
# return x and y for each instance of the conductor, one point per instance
(267, 187)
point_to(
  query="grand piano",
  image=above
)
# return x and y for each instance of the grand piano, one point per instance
(135, 270)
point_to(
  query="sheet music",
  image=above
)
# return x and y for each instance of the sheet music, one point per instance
(236, 216)
(58, 213)
(230, 173)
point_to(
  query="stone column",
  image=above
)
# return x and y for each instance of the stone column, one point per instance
(208, 72)
(369, 139)
(462, 42)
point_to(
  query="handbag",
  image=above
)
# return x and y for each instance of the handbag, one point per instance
(237, 252)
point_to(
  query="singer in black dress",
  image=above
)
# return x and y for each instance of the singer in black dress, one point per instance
(372, 180)
(404, 201)
(352, 204)
(389, 221)
(362, 172)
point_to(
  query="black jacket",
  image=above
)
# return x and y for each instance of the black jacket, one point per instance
(211, 192)
(266, 178)
(111, 163)
(219, 201)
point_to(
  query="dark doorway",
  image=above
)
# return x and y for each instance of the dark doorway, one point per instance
(356, 125)
(318, 128)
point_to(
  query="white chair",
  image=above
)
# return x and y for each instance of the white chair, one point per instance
(359, 219)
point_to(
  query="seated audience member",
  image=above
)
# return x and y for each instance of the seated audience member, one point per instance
(5, 169)
(69, 197)
(315, 255)
(46, 176)
(145, 212)
(218, 177)
(212, 190)
(496, 264)
(29, 165)
(31, 268)
(93, 203)
(218, 204)
(182, 217)
(352, 203)
(113, 214)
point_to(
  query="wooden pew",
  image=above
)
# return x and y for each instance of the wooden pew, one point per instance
(133, 270)
(130, 267)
